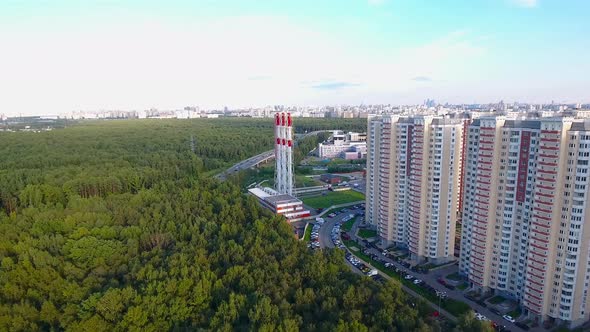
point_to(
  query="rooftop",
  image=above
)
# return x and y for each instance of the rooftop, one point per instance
(259, 193)
(284, 198)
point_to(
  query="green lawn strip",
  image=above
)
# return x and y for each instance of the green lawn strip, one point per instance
(304, 181)
(347, 226)
(334, 198)
(463, 286)
(366, 233)
(496, 299)
(307, 236)
(454, 276)
(430, 266)
(247, 177)
(454, 307)
(515, 313)
(427, 266)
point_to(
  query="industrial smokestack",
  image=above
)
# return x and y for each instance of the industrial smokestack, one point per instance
(284, 153)
(289, 155)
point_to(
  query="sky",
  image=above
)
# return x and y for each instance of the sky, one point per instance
(60, 56)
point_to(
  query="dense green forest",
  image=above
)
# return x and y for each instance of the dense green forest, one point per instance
(116, 225)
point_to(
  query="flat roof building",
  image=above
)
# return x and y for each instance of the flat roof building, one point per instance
(282, 204)
(348, 146)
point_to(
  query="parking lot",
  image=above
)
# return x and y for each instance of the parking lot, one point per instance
(323, 229)
(328, 235)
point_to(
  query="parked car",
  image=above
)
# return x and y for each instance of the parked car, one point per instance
(482, 303)
(440, 294)
(509, 318)
(378, 278)
(522, 326)
(372, 272)
(479, 316)
(500, 328)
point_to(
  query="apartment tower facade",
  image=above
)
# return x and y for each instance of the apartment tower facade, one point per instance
(525, 230)
(414, 170)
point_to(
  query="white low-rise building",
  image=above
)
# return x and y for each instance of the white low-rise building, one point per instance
(282, 204)
(347, 146)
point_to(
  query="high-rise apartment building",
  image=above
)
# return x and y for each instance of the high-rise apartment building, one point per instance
(526, 233)
(372, 177)
(414, 169)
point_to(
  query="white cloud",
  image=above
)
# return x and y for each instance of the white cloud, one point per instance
(142, 64)
(526, 3)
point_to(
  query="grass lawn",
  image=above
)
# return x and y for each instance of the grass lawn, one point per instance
(246, 177)
(454, 307)
(304, 181)
(497, 299)
(334, 198)
(366, 233)
(462, 286)
(454, 276)
(307, 235)
(515, 313)
(352, 246)
(347, 226)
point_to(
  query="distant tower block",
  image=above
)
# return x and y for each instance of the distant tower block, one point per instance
(284, 153)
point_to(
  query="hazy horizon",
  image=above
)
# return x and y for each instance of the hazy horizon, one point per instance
(64, 56)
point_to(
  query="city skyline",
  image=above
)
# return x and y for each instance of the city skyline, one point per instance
(64, 56)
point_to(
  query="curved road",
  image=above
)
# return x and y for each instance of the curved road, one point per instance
(326, 242)
(255, 160)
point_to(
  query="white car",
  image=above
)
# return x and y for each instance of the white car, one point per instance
(372, 272)
(417, 281)
(480, 316)
(408, 277)
(509, 318)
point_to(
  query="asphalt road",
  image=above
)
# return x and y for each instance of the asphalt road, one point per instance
(456, 294)
(326, 242)
(252, 161)
(245, 164)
